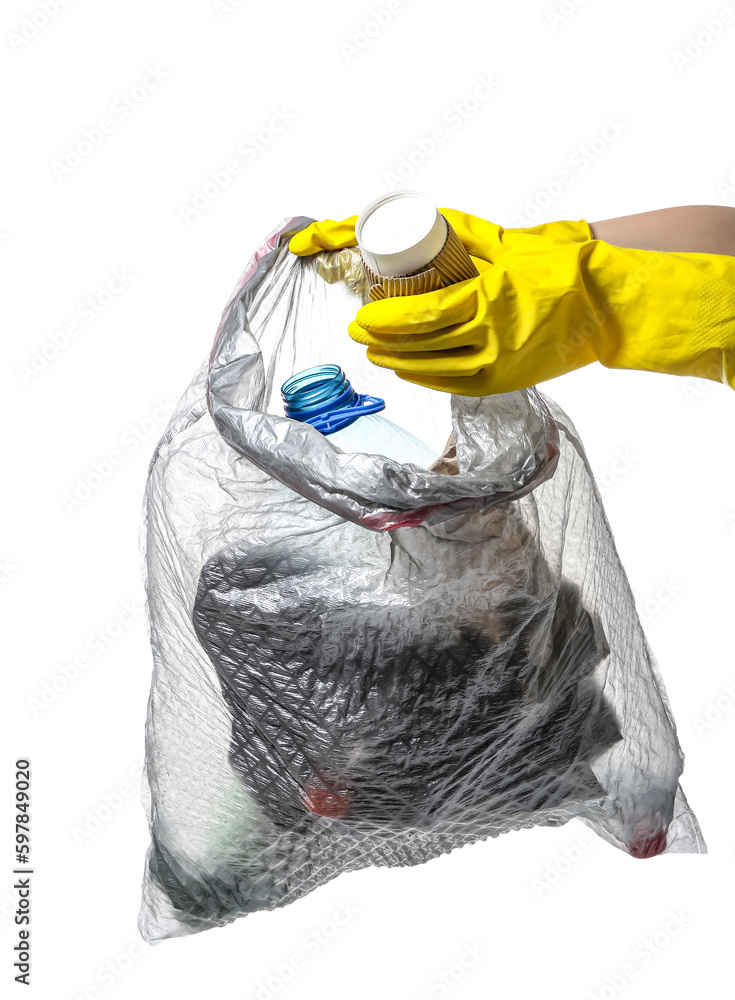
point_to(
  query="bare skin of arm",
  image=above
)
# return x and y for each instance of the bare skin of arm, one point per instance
(689, 229)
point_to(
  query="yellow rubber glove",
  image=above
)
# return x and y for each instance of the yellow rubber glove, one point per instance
(549, 305)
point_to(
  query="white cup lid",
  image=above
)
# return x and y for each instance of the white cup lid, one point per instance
(400, 233)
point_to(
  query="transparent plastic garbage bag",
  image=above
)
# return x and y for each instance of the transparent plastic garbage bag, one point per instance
(361, 662)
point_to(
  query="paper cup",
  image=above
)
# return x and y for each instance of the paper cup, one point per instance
(408, 247)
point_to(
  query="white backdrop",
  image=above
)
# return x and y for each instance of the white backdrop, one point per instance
(148, 148)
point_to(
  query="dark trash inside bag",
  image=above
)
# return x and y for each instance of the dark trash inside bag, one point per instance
(362, 662)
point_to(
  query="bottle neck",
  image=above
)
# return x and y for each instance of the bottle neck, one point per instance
(324, 398)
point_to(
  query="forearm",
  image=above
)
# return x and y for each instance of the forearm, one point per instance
(688, 229)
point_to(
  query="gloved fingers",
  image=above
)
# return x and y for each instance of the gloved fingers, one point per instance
(325, 235)
(407, 315)
(357, 333)
(450, 338)
(455, 363)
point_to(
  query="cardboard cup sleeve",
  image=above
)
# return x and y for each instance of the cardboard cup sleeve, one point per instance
(452, 264)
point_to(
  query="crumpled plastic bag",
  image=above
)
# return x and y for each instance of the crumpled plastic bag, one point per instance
(358, 662)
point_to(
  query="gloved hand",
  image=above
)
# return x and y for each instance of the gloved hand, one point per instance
(544, 305)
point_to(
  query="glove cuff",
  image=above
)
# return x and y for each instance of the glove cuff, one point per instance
(666, 312)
